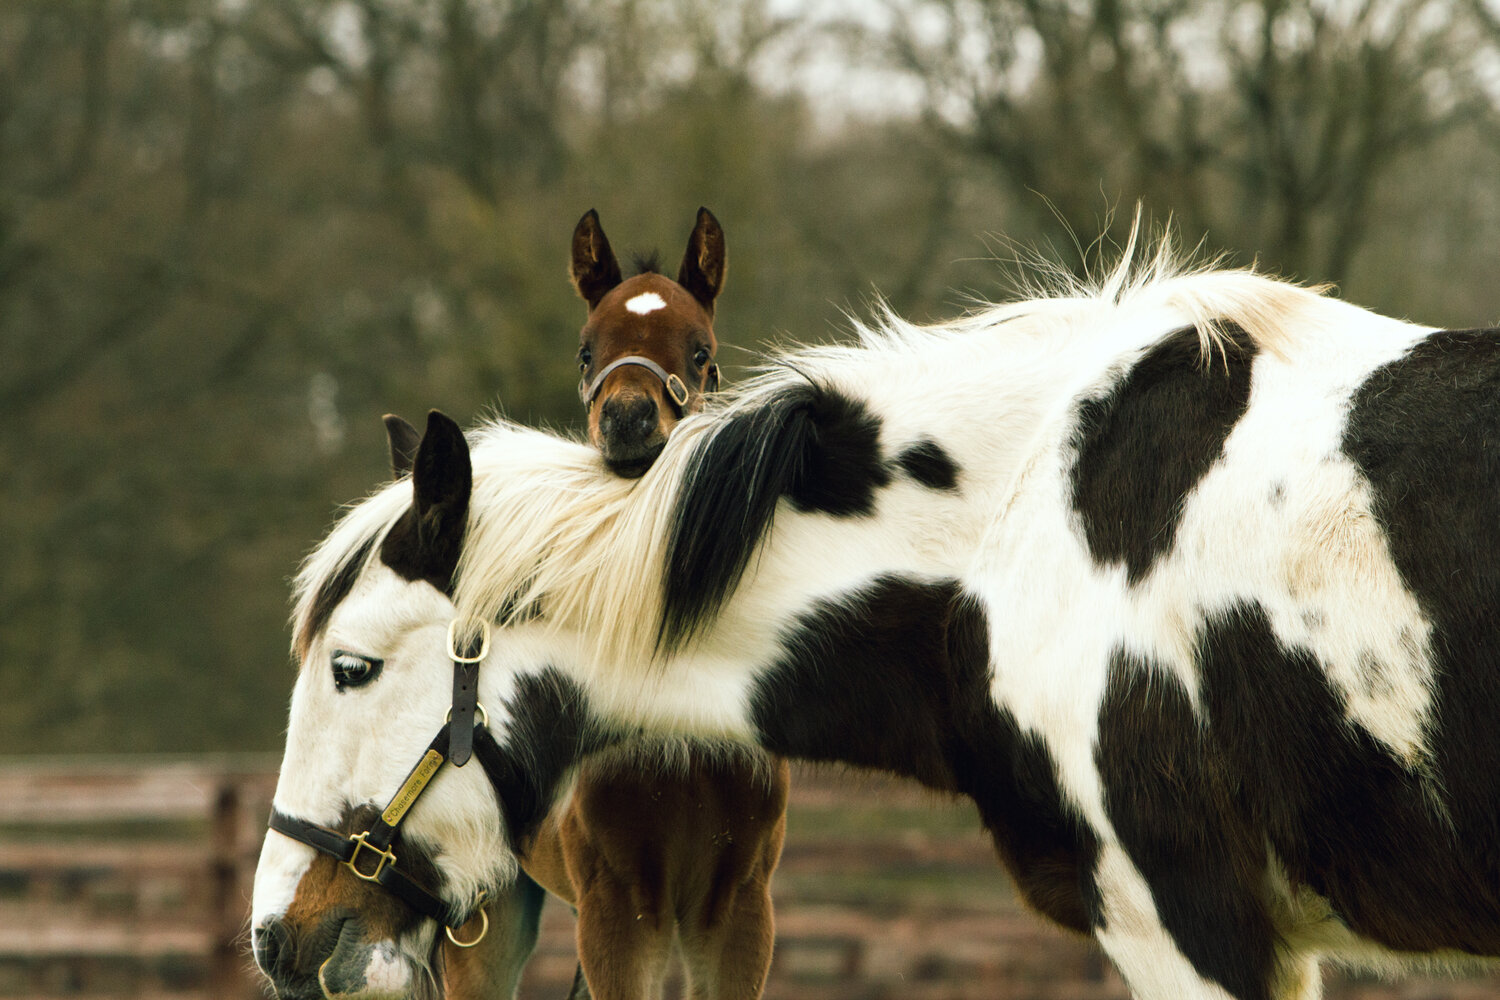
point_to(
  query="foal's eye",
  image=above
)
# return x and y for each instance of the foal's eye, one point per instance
(352, 670)
(585, 358)
(700, 358)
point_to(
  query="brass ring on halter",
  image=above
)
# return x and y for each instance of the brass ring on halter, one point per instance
(484, 717)
(483, 930)
(484, 643)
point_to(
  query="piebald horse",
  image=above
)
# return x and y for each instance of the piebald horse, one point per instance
(665, 840)
(1187, 580)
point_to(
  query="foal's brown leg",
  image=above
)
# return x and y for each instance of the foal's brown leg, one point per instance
(624, 947)
(729, 929)
(615, 869)
(730, 961)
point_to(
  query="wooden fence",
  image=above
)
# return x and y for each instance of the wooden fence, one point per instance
(131, 878)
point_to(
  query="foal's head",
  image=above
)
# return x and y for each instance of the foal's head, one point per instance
(647, 348)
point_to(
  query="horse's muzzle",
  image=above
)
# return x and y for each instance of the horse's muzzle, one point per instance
(631, 434)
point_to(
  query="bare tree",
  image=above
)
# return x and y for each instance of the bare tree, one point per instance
(1266, 123)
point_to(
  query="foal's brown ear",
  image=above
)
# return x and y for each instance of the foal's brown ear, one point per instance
(594, 269)
(705, 262)
(403, 439)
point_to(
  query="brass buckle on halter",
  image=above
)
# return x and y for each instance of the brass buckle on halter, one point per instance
(677, 390)
(361, 842)
(484, 643)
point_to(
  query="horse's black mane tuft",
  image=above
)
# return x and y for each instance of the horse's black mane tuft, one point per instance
(812, 444)
(647, 263)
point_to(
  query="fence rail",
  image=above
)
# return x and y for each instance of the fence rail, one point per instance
(129, 877)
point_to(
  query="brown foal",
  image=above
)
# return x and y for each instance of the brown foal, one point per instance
(653, 844)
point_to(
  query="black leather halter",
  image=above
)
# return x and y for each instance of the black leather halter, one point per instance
(677, 390)
(368, 854)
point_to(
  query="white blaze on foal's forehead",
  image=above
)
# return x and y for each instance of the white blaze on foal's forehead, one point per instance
(646, 302)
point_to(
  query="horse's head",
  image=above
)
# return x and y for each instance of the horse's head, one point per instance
(378, 841)
(647, 348)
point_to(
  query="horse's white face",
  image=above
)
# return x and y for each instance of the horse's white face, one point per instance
(351, 740)
(374, 687)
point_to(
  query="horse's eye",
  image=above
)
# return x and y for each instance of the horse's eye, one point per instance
(585, 358)
(700, 358)
(352, 670)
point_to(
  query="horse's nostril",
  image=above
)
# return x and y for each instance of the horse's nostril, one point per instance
(629, 421)
(273, 951)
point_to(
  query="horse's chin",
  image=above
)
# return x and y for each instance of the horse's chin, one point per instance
(361, 969)
(632, 464)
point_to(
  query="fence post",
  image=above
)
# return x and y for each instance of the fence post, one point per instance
(225, 971)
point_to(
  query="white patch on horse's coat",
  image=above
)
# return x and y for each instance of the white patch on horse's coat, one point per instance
(1316, 560)
(281, 866)
(387, 976)
(1137, 942)
(646, 302)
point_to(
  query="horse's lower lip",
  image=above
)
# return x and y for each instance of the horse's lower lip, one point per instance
(632, 466)
(632, 469)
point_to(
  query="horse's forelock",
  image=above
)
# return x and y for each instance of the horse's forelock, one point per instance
(331, 569)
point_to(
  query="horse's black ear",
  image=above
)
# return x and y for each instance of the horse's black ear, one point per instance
(403, 440)
(705, 262)
(425, 544)
(594, 269)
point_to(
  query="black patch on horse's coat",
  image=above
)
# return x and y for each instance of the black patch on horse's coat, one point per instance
(1175, 810)
(929, 464)
(550, 730)
(896, 677)
(1424, 431)
(813, 445)
(1341, 813)
(332, 591)
(1143, 446)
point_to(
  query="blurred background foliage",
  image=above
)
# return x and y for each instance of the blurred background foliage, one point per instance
(234, 233)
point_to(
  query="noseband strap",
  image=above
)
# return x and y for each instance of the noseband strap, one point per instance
(677, 390)
(368, 854)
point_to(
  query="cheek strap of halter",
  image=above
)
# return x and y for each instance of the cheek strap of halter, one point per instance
(466, 663)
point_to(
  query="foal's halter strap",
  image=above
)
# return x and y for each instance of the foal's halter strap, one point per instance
(368, 855)
(677, 390)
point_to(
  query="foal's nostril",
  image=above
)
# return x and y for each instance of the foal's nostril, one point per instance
(273, 951)
(645, 419)
(628, 421)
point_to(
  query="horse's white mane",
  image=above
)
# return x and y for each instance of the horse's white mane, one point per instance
(551, 530)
